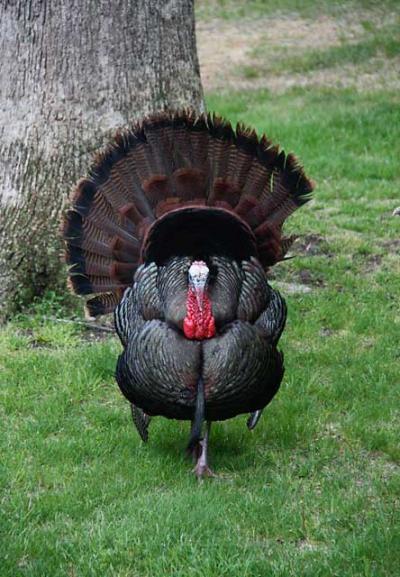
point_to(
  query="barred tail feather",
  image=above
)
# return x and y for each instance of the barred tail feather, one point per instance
(170, 163)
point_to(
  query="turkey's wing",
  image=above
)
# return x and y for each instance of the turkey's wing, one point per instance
(241, 371)
(161, 370)
(255, 291)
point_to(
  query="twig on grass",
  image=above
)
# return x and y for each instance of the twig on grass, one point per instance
(87, 325)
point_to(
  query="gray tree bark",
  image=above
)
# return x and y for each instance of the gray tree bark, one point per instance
(71, 71)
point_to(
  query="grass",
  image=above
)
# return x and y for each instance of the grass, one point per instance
(314, 491)
(239, 9)
(382, 42)
(357, 53)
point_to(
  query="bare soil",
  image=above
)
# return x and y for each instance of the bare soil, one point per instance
(226, 48)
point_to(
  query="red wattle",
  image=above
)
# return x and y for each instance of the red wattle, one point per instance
(199, 323)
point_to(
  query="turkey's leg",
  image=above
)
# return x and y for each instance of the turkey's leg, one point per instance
(202, 469)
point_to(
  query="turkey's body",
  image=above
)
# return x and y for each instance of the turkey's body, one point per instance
(173, 230)
(240, 366)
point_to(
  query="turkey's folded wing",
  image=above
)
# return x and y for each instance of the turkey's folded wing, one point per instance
(255, 291)
(241, 370)
(162, 369)
(272, 320)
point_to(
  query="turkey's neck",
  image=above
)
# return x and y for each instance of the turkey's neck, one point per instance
(199, 322)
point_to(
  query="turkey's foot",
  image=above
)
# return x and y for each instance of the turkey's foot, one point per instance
(201, 468)
(203, 471)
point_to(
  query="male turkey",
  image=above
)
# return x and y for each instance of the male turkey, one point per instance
(173, 230)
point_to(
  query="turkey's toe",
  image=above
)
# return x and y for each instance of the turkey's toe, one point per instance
(202, 471)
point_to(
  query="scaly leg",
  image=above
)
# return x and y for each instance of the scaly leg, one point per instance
(202, 469)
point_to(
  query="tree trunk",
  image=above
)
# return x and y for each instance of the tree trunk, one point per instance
(71, 72)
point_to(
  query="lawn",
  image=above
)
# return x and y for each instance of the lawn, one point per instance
(314, 490)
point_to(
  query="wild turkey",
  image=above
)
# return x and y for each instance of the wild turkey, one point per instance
(173, 230)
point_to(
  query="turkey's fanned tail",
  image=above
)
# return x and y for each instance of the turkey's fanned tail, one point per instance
(235, 190)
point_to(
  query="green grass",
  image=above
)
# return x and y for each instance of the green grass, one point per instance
(382, 42)
(235, 9)
(314, 490)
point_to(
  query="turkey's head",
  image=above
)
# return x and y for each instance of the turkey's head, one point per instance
(199, 322)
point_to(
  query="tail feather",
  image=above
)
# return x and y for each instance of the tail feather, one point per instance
(235, 186)
(80, 232)
(224, 190)
(189, 184)
(199, 138)
(104, 303)
(182, 146)
(84, 285)
(219, 148)
(243, 163)
(157, 187)
(257, 180)
(87, 262)
(88, 246)
(125, 169)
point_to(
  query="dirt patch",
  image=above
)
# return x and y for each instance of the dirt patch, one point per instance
(378, 74)
(326, 332)
(311, 245)
(96, 336)
(387, 250)
(227, 48)
(223, 46)
(87, 334)
(303, 545)
(302, 280)
(391, 246)
(291, 288)
(97, 330)
(308, 545)
(296, 281)
(308, 278)
(372, 263)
